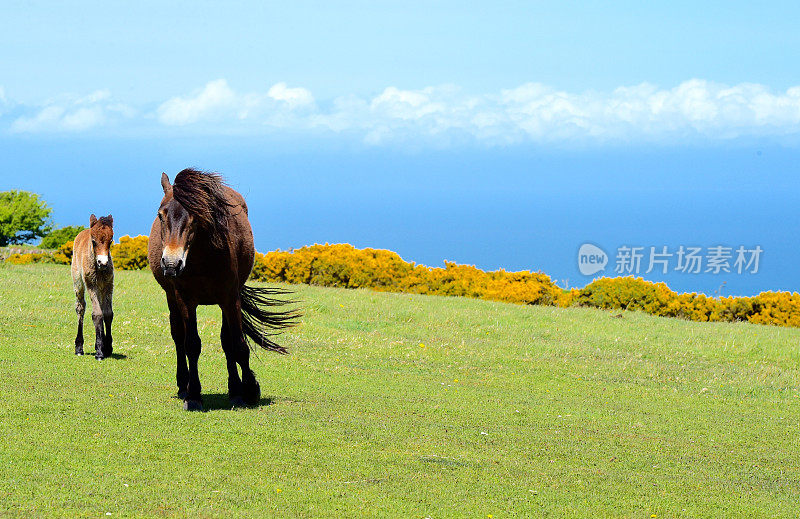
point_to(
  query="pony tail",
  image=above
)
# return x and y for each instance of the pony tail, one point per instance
(259, 323)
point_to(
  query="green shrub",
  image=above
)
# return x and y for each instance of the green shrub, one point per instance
(23, 217)
(59, 237)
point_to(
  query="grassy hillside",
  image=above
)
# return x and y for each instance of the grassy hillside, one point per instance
(397, 405)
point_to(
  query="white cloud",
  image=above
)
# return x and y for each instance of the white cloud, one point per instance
(83, 119)
(217, 102)
(693, 108)
(214, 100)
(406, 104)
(537, 113)
(47, 117)
(437, 115)
(293, 97)
(5, 104)
(73, 114)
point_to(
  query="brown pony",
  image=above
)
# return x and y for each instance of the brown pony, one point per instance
(93, 270)
(201, 253)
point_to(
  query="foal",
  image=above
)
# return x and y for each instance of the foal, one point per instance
(93, 270)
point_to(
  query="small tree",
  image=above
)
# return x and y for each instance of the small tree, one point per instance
(59, 237)
(23, 217)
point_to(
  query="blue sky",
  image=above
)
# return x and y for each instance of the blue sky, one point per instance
(503, 135)
(150, 51)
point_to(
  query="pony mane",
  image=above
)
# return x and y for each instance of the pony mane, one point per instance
(202, 194)
(105, 220)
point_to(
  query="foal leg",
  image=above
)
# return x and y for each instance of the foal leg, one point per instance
(234, 383)
(178, 331)
(108, 317)
(97, 319)
(193, 401)
(251, 390)
(80, 309)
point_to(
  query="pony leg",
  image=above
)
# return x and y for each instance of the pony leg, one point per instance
(80, 309)
(108, 317)
(97, 319)
(193, 401)
(228, 346)
(178, 331)
(251, 390)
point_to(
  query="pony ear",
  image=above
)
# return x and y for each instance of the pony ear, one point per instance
(92, 220)
(110, 220)
(165, 184)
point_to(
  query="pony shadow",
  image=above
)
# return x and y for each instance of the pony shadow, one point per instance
(115, 356)
(220, 401)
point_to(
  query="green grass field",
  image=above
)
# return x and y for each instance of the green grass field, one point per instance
(398, 406)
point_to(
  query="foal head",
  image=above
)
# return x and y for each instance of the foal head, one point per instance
(194, 205)
(101, 231)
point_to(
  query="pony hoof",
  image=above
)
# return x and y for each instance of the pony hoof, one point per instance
(192, 405)
(252, 393)
(237, 401)
(99, 357)
(182, 394)
(78, 352)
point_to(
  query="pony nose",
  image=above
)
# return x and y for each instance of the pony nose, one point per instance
(172, 268)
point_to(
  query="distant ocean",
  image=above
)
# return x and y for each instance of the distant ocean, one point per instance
(515, 208)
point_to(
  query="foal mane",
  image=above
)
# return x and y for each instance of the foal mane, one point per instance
(202, 194)
(105, 220)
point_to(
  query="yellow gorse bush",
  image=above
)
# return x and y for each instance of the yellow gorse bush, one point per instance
(64, 254)
(776, 308)
(342, 265)
(130, 253)
(24, 259)
(780, 308)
